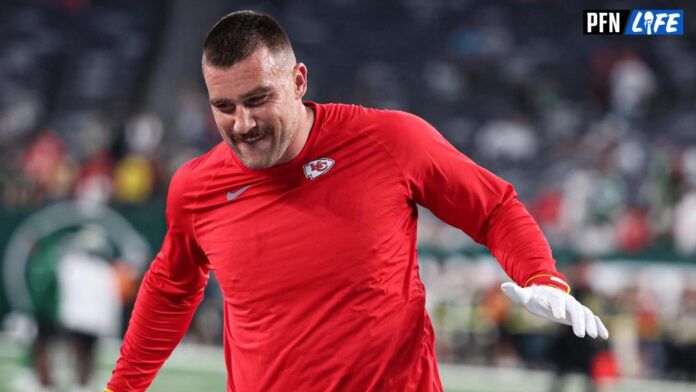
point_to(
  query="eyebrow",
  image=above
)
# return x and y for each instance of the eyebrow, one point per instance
(255, 91)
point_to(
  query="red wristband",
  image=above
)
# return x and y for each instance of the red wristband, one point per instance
(548, 280)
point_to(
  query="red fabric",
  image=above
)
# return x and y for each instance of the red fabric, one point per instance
(320, 276)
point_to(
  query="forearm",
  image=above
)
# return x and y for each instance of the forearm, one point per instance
(159, 321)
(516, 241)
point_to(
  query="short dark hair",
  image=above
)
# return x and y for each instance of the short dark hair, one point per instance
(237, 35)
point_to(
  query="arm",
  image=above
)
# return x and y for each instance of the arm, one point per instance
(484, 206)
(169, 294)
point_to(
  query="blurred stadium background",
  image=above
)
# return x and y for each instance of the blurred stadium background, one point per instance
(102, 100)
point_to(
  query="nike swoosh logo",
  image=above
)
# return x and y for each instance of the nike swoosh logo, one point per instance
(232, 196)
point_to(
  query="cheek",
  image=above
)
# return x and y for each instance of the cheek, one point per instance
(269, 116)
(222, 121)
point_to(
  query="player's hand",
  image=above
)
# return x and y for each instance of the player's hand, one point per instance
(555, 305)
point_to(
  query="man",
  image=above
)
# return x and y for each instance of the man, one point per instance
(307, 213)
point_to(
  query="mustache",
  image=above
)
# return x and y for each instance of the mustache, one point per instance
(251, 134)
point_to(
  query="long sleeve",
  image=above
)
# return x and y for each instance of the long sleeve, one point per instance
(169, 294)
(471, 198)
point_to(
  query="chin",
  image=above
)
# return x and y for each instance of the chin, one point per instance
(256, 166)
(258, 163)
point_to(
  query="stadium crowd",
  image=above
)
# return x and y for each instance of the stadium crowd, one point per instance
(598, 141)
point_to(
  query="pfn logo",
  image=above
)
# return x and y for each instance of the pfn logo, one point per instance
(605, 21)
(318, 167)
(656, 22)
(633, 22)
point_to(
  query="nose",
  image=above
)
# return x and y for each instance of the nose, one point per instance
(243, 121)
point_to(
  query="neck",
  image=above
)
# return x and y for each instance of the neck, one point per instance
(304, 126)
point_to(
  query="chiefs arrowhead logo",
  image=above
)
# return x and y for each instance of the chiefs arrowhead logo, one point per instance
(318, 167)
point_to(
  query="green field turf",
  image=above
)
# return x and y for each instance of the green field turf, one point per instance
(197, 368)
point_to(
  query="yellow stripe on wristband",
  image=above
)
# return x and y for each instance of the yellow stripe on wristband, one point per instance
(536, 276)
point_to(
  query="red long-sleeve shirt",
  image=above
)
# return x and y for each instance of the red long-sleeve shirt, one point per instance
(317, 260)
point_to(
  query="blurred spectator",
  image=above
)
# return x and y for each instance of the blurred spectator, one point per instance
(681, 344)
(144, 133)
(685, 222)
(90, 304)
(95, 181)
(76, 296)
(133, 179)
(513, 140)
(632, 84)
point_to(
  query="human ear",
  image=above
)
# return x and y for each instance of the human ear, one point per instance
(300, 80)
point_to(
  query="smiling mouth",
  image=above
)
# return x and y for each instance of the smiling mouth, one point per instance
(253, 136)
(253, 139)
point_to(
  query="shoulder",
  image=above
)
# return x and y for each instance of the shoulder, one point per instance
(398, 131)
(383, 124)
(190, 178)
(342, 113)
(194, 170)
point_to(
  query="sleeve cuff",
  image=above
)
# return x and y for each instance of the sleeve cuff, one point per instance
(548, 280)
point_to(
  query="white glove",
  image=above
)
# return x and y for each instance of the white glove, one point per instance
(555, 305)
